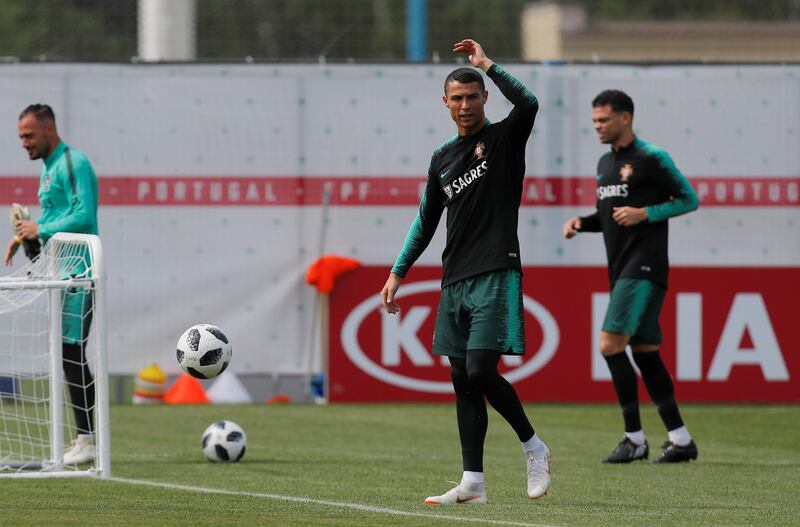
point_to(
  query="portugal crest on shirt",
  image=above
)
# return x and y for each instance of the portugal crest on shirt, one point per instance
(47, 182)
(449, 191)
(625, 172)
(480, 150)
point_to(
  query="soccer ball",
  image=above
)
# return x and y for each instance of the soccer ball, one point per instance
(224, 441)
(204, 351)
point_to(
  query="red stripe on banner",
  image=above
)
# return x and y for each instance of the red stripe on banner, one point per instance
(381, 191)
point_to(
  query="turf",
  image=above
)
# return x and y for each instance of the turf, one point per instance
(392, 456)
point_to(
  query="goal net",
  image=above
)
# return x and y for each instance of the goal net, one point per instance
(53, 370)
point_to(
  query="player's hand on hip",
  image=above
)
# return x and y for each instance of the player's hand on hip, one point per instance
(388, 292)
(11, 250)
(629, 216)
(476, 55)
(571, 227)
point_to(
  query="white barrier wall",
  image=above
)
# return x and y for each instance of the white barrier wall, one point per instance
(211, 178)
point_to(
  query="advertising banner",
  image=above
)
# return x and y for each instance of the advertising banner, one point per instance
(728, 336)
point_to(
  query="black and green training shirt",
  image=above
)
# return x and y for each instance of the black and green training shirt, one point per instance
(478, 178)
(638, 175)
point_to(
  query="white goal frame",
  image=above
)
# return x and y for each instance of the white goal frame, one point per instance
(43, 275)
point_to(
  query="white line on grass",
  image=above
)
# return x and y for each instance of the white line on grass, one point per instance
(341, 504)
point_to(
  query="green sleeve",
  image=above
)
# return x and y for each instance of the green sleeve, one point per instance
(684, 198)
(513, 90)
(82, 216)
(526, 105)
(422, 228)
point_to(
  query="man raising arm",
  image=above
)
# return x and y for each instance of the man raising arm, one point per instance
(477, 176)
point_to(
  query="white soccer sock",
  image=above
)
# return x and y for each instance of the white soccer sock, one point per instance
(680, 436)
(534, 445)
(637, 438)
(472, 480)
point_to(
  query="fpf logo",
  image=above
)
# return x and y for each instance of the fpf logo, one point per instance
(480, 150)
(625, 172)
(400, 336)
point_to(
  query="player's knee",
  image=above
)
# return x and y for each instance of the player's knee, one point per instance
(608, 348)
(611, 343)
(458, 374)
(481, 374)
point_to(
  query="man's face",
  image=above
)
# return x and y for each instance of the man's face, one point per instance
(465, 102)
(609, 124)
(36, 136)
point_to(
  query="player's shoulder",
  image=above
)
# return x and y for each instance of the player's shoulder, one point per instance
(442, 148)
(651, 150)
(78, 158)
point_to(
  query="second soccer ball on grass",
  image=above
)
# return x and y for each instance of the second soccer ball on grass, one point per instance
(224, 441)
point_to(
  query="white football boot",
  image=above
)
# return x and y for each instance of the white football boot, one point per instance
(82, 450)
(538, 474)
(460, 494)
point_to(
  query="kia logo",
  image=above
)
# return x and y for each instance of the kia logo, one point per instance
(550, 338)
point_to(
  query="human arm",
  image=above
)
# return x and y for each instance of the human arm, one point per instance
(571, 227)
(422, 228)
(388, 292)
(28, 229)
(590, 223)
(417, 239)
(11, 250)
(82, 215)
(523, 99)
(475, 53)
(684, 198)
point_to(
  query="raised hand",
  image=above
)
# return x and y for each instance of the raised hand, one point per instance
(475, 52)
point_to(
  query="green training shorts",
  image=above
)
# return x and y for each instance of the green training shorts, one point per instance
(76, 315)
(483, 312)
(633, 310)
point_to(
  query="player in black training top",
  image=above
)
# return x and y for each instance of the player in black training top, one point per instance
(477, 176)
(638, 189)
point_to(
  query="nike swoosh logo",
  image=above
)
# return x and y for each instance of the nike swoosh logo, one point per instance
(443, 174)
(465, 500)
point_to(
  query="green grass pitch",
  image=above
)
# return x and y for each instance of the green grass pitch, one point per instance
(378, 462)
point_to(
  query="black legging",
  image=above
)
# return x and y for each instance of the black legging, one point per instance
(476, 378)
(81, 386)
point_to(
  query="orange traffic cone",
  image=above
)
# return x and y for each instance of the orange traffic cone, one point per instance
(279, 399)
(186, 390)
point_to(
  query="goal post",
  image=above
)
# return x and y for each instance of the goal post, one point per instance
(54, 301)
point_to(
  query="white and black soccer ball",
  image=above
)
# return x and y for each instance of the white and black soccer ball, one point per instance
(204, 351)
(224, 441)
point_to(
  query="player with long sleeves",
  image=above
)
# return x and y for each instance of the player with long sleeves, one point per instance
(477, 177)
(638, 189)
(68, 197)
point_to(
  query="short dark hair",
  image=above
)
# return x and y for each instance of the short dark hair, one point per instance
(618, 100)
(40, 111)
(464, 76)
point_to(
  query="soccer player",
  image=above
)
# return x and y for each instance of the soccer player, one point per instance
(68, 196)
(477, 176)
(638, 190)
